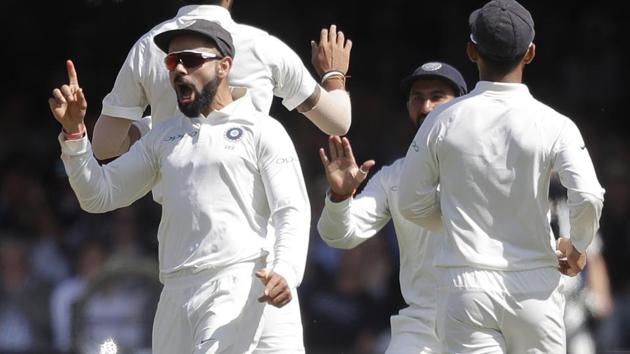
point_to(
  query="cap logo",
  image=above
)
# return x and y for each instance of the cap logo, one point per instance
(234, 134)
(431, 66)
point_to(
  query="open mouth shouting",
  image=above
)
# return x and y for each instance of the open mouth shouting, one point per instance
(186, 92)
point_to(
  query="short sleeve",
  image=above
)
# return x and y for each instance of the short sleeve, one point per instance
(292, 81)
(128, 98)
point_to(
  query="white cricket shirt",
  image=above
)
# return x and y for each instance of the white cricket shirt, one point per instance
(262, 63)
(223, 179)
(352, 221)
(492, 152)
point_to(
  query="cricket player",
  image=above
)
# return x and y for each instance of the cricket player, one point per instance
(347, 221)
(492, 153)
(228, 171)
(267, 67)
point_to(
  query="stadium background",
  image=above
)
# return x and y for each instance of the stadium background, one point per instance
(581, 69)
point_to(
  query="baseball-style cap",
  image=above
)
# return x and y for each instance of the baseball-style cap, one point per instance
(207, 29)
(439, 71)
(501, 29)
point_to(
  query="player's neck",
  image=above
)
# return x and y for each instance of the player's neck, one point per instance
(514, 77)
(221, 99)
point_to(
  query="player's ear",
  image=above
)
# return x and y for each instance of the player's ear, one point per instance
(530, 54)
(471, 50)
(225, 65)
(227, 4)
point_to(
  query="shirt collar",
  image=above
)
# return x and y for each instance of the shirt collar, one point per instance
(213, 12)
(241, 106)
(500, 88)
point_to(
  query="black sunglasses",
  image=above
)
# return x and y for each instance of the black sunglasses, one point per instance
(188, 58)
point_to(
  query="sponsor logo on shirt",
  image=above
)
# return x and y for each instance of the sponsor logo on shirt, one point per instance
(286, 160)
(179, 137)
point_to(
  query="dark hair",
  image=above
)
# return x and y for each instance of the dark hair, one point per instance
(502, 67)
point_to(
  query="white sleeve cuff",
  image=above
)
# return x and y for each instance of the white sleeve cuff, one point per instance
(74, 147)
(287, 272)
(131, 113)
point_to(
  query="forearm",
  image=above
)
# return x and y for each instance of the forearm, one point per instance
(112, 137)
(332, 113)
(104, 188)
(599, 285)
(292, 224)
(348, 223)
(584, 212)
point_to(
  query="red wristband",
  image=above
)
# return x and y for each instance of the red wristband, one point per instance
(74, 136)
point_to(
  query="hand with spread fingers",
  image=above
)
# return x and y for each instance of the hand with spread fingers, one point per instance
(68, 104)
(571, 261)
(277, 291)
(342, 172)
(332, 53)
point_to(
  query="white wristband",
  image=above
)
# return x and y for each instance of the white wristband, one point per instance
(332, 73)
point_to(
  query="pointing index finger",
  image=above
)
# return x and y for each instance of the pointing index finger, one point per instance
(73, 80)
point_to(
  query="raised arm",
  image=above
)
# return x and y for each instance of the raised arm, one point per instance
(68, 105)
(346, 221)
(330, 109)
(98, 188)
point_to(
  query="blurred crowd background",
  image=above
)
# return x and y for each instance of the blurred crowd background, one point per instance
(69, 280)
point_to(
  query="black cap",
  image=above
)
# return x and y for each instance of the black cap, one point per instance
(207, 29)
(501, 29)
(436, 70)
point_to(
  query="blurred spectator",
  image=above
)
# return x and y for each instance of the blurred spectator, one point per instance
(24, 320)
(90, 260)
(118, 304)
(615, 231)
(588, 297)
(123, 231)
(348, 312)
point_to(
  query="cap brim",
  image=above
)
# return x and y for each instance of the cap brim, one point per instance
(405, 84)
(163, 40)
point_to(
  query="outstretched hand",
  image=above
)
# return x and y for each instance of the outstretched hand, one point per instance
(342, 172)
(68, 104)
(571, 261)
(332, 52)
(277, 291)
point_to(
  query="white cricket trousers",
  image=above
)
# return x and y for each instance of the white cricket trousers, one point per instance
(484, 311)
(413, 331)
(282, 331)
(210, 312)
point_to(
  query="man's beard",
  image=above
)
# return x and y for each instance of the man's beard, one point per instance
(202, 100)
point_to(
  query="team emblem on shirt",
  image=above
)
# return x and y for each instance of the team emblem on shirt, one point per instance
(234, 134)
